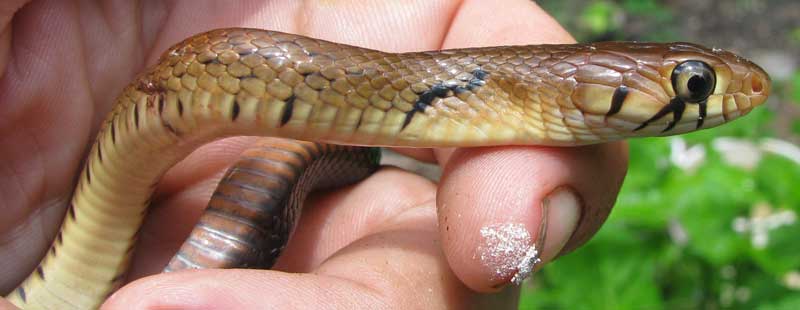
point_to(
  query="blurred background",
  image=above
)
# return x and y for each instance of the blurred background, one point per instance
(706, 220)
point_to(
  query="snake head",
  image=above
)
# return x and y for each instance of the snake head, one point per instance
(666, 89)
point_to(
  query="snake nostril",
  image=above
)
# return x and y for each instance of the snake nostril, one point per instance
(756, 85)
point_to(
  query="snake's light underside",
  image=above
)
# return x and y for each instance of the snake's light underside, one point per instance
(264, 83)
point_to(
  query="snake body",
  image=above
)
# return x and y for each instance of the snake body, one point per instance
(230, 82)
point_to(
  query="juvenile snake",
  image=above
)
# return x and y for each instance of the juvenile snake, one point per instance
(254, 82)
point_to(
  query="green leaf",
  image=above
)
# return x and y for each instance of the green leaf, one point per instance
(794, 35)
(782, 253)
(790, 302)
(642, 6)
(796, 88)
(592, 278)
(709, 203)
(641, 199)
(598, 17)
(778, 178)
(796, 127)
(759, 288)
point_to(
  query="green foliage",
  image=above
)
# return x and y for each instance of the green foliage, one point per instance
(795, 96)
(794, 35)
(601, 279)
(598, 17)
(670, 242)
(790, 303)
(603, 19)
(653, 10)
(642, 6)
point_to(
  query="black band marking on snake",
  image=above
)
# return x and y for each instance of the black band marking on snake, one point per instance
(21, 292)
(676, 106)
(71, 211)
(480, 77)
(617, 99)
(358, 123)
(287, 110)
(701, 118)
(171, 129)
(440, 90)
(425, 99)
(113, 130)
(136, 116)
(235, 111)
(99, 151)
(209, 61)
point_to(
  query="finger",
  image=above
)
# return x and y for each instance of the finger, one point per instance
(494, 202)
(385, 25)
(6, 305)
(399, 262)
(329, 221)
(401, 267)
(7, 11)
(334, 220)
(395, 26)
(205, 162)
(518, 22)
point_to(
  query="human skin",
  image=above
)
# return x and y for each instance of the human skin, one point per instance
(394, 239)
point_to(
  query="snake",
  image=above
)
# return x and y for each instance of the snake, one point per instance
(332, 106)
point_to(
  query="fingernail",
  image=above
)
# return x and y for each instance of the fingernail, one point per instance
(561, 210)
(564, 208)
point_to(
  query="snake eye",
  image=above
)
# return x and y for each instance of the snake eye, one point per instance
(693, 81)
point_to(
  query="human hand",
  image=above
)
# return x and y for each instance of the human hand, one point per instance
(379, 243)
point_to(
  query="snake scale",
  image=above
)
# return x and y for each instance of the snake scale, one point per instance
(230, 82)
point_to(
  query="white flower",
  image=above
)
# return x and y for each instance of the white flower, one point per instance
(737, 152)
(792, 280)
(686, 158)
(746, 154)
(677, 232)
(781, 148)
(763, 219)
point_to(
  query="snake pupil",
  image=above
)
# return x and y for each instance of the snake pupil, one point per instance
(696, 84)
